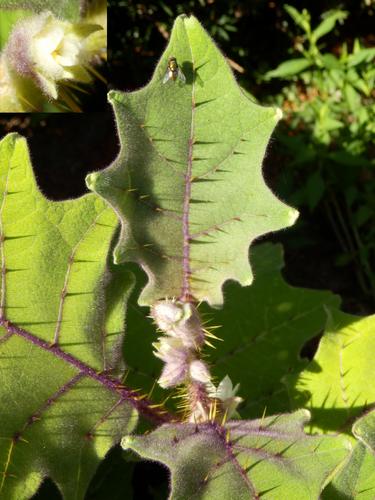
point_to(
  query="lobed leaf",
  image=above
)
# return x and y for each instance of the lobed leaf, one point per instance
(61, 333)
(335, 385)
(267, 458)
(187, 184)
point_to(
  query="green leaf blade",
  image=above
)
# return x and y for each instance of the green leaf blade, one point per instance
(62, 317)
(334, 386)
(268, 458)
(191, 196)
(289, 68)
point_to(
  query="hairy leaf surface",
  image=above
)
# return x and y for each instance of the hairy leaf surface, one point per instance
(62, 315)
(336, 386)
(268, 458)
(263, 328)
(364, 430)
(356, 481)
(357, 478)
(187, 183)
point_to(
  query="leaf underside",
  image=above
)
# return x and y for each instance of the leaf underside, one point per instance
(62, 312)
(270, 458)
(187, 183)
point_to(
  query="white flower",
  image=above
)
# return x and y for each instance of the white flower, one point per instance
(226, 393)
(50, 50)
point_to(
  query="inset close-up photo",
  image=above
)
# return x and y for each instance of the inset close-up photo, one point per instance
(53, 56)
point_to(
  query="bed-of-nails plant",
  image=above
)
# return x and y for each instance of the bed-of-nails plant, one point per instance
(184, 199)
(47, 50)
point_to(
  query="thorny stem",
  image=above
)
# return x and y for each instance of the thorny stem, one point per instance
(198, 400)
(180, 349)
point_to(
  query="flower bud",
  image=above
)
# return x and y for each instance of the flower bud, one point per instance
(199, 371)
(179, 319)
(49, 50)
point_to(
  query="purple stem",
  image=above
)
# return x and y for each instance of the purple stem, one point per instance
(143, 405)
(186, 270)
(52, 399)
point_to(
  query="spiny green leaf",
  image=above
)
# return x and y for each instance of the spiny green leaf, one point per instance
(336, 386)
(356, 481)
(187, 184)
(268, 458)
(364, 429)
(263, 328)
(66, 9)
(62, 315)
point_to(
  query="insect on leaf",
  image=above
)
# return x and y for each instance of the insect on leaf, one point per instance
(187, 184)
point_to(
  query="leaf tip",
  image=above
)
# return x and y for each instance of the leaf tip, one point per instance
(117, 255)
(91, 180)
(292, 216)
(278, 114)
(126, 442)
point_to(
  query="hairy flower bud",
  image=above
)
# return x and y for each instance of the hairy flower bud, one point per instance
(176, 359)
(179, 319)
(179, 346)
(17, 94)
(50, 50)
(199, 371)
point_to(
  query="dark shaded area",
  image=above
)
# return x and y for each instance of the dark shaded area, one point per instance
(150, 481)
(65, 147)
(310, 249)
(47, 491)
